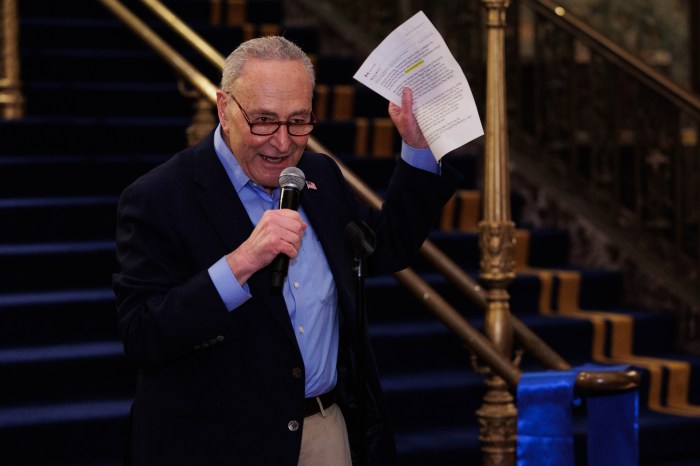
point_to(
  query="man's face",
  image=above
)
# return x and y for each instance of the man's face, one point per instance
(271, 90)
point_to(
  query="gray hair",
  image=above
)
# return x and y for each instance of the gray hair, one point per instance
(263, 48)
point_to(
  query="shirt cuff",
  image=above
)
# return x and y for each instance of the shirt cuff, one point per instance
(419, 158)
(232, 294)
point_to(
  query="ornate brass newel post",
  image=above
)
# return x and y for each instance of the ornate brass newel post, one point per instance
(204, 118)
(11, 100)
(497, 416)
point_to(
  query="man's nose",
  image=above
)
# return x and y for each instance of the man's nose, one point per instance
(281, 139)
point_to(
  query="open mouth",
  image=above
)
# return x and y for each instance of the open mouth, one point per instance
(273, 160)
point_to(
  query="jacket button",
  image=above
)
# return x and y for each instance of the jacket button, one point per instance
(297, 373)
(293, 426)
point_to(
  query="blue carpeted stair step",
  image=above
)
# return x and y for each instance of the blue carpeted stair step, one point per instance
(664, 439)
(427, 344)
(63, 32)
(571, 338)
(79, 64)
(56, 374)
(93, 136)
(109, 33)
(418, 345)
(63, 47)
(389, 301)
(56, 317)
(548, 248)
(64, 434)
(26, 177)
(434, 399)
(46, 219)
(119, 54)
(654, 331)
(105, 99)
(56, 266)
(694, 382)
(446, 446)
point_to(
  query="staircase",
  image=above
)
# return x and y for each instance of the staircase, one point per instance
(103, 109)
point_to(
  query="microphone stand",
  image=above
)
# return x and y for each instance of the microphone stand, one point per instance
(362, 243)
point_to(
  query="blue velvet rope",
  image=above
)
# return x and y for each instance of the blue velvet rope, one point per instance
(545, 402)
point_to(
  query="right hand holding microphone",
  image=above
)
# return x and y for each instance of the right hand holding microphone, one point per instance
(278, 232)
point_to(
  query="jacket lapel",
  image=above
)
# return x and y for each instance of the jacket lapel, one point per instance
(229, 218)
(218, 198)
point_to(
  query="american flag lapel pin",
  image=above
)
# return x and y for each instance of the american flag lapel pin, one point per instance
(311, 185)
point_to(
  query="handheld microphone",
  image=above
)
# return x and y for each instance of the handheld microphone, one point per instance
(292, 181)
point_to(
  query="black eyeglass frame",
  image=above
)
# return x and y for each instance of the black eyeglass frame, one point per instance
(289, 124)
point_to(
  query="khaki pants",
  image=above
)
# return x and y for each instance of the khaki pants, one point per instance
(324, 441)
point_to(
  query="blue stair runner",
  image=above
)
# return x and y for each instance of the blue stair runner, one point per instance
(103, 109)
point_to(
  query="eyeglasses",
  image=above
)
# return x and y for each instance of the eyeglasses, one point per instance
(266, 128)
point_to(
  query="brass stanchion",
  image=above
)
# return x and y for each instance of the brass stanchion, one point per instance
(497, 416)
(204, 118)
(11, 99)
(203, 121)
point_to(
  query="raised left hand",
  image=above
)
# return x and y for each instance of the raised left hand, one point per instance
(405, 120)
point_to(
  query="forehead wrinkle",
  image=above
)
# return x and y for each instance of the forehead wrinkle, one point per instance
(278, 90)
(262, 110)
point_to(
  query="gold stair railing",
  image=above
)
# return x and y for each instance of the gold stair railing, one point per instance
(493, 350)
(625, 140)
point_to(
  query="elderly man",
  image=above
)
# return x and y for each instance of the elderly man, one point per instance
(230, 372)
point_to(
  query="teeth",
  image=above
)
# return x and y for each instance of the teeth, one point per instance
(272, 159)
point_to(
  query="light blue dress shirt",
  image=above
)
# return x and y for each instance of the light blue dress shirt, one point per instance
(309, 290)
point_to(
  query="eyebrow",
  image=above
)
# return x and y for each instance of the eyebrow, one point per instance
(263, 112)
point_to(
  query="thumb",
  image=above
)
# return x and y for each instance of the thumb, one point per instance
(405, 120)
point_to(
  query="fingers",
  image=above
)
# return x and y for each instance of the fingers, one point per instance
(277, 232)
(407, 99)
(405, 121)
(284, 230)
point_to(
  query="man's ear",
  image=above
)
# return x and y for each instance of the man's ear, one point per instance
(221, 108)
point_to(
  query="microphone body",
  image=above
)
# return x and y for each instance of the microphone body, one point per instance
(292, 181)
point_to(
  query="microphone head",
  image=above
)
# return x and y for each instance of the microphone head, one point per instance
(292, 177)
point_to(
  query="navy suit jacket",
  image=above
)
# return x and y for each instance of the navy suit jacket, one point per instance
(222, 387)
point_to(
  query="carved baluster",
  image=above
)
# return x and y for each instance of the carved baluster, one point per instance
(497, 416)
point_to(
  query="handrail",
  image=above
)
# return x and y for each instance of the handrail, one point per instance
(170, 55)
(610, 148)
(194, 39)
(480, 345)
(627, 61)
